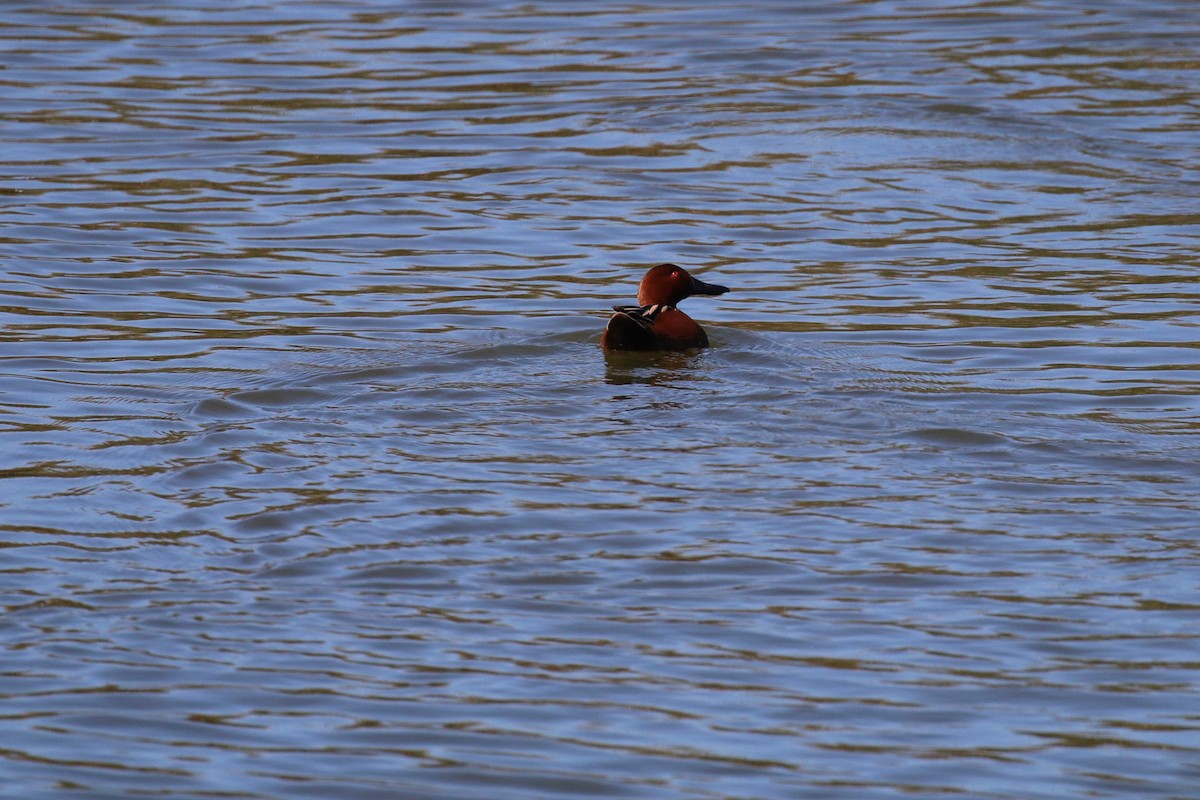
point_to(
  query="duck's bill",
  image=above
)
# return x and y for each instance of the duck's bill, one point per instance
(700, 287)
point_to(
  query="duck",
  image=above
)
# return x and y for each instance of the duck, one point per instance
(655, 323)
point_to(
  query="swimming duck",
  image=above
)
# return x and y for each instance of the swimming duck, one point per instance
(655, 323)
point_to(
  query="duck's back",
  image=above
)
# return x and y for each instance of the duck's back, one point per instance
(654, 327)
(627, 332)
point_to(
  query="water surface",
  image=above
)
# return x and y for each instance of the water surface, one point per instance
(315, 481)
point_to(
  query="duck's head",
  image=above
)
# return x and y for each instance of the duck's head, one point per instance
(668, 284)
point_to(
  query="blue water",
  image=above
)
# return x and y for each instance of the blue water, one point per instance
(315, 481)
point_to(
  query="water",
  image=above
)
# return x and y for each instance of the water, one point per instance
(316, 483)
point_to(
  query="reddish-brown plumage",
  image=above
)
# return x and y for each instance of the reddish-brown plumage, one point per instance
(655, 324)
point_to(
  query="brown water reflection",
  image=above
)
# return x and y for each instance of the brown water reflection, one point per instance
(316, 481)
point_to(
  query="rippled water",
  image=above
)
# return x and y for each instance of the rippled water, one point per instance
(316, 482)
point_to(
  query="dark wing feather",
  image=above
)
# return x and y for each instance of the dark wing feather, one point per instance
(628, 331)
